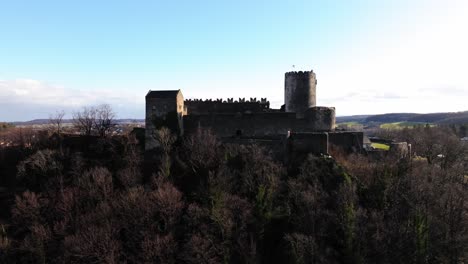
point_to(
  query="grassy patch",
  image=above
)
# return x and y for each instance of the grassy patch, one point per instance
(400, 125)
(354, 123)
(380, 146)
(419, 158)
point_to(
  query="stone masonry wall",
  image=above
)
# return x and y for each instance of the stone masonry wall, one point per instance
(299, 91)
(160, 107)
(260, 124)
(197, 107)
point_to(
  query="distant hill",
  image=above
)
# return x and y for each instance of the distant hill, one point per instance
(390, 118)
(433, 118)
(65, 121)
(349, 119)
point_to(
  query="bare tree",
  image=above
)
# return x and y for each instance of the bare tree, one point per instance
(56, 121)
(104, 120)
(22, 136)
(95, 120)
(85, 120)
(165, 138)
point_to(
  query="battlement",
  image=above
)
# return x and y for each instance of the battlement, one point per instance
(300, 74)
(229, 100)
(229, 105)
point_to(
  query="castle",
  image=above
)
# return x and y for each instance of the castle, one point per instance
(305, 125)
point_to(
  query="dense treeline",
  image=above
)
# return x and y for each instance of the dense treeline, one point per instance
(209, 202)
(434, 118)
(4, 126)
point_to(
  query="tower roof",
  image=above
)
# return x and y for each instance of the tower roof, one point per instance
(163, 94)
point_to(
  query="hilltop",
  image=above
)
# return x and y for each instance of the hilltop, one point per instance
(410, 118)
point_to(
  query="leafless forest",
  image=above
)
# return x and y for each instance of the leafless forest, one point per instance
(203, 201)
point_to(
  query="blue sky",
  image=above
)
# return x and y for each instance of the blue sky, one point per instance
(369, 56)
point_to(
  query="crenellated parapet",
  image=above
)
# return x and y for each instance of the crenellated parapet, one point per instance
(228, 105)
(300, 73)
(229, 100)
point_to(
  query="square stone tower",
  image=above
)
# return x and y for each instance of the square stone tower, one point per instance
(163, 108)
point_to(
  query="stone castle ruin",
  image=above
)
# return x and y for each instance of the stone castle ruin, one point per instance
(305, 126)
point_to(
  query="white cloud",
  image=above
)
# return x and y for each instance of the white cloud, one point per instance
(24, 99)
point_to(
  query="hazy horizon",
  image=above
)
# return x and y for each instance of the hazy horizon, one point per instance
(370, 58)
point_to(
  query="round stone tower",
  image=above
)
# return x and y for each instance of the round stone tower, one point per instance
(299, 91)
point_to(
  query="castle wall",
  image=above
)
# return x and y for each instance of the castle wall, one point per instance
(261, 124)
(197, 107)
(156, 107)
(322, 118)
(159, 108)
(311, 142)
(227, 125)
(300, 145)
(346, 140)
(181, 110)
(299, 91)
